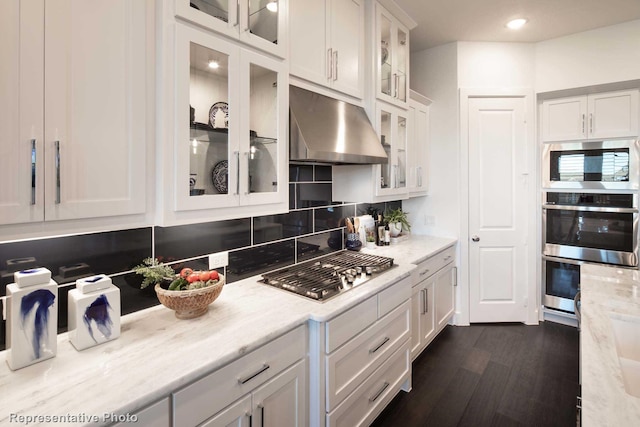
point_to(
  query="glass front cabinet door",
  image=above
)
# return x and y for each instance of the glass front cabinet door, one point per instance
(229, 146)
(393, 58)
(260, 23)
(393, 130)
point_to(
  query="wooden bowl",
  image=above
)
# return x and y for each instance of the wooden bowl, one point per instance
(191, 303)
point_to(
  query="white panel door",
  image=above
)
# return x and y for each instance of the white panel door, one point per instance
(21, 115)
(497, 210)
(95, 108)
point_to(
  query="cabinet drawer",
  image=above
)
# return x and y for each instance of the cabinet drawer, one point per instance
(368, 400)
(356, 360)
(350, 323)
(205, 397)
(393, 296)
(434, 263)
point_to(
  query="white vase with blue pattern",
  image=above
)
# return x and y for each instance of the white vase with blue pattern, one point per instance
(94, 312)
(32, 318)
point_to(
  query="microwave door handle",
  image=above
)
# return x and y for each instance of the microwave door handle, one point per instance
(590, 209)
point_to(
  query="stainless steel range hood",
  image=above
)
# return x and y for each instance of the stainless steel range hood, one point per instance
(326, 130)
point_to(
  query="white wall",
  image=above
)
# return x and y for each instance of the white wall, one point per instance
(433, 72)
(605, 55)
(496, 65)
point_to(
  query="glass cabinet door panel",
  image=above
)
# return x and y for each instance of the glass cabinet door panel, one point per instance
(386, 53)
(386, 138)
(218, 9)
(401, 153)
(401, 57)
(209, 120)
(263, 19)
(262, 157)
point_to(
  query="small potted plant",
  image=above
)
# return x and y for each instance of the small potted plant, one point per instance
(397, 220)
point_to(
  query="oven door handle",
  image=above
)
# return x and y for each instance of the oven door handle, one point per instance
(563, 260)
(589, 209)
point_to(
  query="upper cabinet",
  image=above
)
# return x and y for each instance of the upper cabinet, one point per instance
(597, 116)
(392, 64)
(229, 150)
(418, 150)
(74, 117)
(327, 43)
(259, 23)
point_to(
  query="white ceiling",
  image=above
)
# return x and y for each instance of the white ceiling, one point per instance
(445, 21)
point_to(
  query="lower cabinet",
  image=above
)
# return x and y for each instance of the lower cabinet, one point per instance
(279, 402)
(154, 415)
(360, 359)
(432, 298)
(266, 387)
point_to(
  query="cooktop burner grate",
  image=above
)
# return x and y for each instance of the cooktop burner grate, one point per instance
(328, 276)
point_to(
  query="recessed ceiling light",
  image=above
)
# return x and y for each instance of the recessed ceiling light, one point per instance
(516, 23)
(272, 6)
(214, 64)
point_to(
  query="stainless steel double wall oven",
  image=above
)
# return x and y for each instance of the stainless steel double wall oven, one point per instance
(589, 212)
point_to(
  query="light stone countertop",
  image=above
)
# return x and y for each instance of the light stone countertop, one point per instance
(157, 353)
(606, 293)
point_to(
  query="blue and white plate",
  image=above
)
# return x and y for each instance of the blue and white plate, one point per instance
(215, 113)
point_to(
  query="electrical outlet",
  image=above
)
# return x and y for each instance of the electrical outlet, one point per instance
(217, 260)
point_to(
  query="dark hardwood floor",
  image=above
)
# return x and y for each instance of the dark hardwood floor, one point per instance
(492, 375)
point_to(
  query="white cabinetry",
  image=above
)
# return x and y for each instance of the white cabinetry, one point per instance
(73, 129)
(418, 149)
(327, 43)
(392, 53)
(596, 116)
(231, 155)
(259, 23)
(267, 387)
(432, 298)
(154, 415)
(362, 358)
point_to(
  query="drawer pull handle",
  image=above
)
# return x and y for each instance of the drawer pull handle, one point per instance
(34, 158)
(424, 272)
(379, 346)
(447, 258)
(252, 376)
(377, 395)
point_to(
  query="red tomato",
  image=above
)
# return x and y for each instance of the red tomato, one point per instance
(213, 275)
(204, 276)
(193, 277)
(185, 272)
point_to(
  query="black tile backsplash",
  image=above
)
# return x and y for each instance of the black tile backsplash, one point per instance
(193, 240)
(72, 257)
(314, 226)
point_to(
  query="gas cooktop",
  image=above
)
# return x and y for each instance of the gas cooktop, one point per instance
(328, 276)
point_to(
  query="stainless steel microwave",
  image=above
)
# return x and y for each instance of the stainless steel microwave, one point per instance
(592, 165)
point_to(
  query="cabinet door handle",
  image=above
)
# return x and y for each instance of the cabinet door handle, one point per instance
(329, 63)
(422, 294)
(426, 300)
(248, 378)
(590, 123)
(57, 156)
(584, 129)
(246, 154)
(377, 395)
(237, 154)
(335, 65)
(379, 346)
(33, 171)
(419, 176)
(395, 84)
(261, 407)
(454, 271)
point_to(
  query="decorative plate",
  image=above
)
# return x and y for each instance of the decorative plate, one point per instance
(219, 176)
(213, 113)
